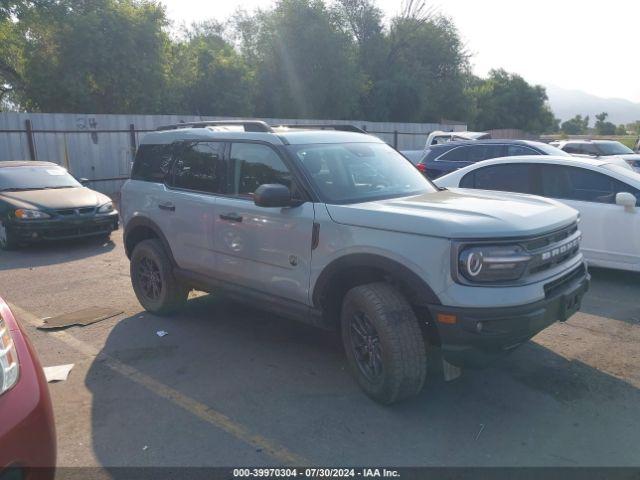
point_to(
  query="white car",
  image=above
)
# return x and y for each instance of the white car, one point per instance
(606, 194)
(609, 150)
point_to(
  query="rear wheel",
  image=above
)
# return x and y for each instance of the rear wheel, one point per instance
(157, 289)
(8, 240)
(383, 342)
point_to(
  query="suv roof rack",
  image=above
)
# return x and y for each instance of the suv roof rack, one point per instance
(323, 126)
(249, 125)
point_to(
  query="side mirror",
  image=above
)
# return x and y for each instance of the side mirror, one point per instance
(272, 195)
(626, 200)
(84, 181)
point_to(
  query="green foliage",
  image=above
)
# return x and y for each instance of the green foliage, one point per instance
(602, 126)
(299, 58)
(576, 126)
(506, 100)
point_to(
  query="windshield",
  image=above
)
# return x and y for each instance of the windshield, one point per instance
(551, 150)
(360, 172)
(35, 178)
(613, 148)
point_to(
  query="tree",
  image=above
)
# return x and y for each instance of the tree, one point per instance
(303, 61)
(602, 126)
(104, 56)
(506, 100)
(207, 76)
(576, 126)
(621, 130)
(424, 71)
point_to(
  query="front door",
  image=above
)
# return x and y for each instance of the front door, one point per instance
(266, 249)
(610, 233)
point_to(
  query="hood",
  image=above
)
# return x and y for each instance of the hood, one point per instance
(630, 156)
(459, 213)
(54, 199)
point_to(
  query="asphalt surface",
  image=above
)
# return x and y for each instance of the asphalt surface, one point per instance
(232, 386)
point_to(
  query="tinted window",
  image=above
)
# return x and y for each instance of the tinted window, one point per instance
(572, 148)
(253, 165)
(152, 163)
(457, 154)
(35, 178)
(589, 149)
(517, 150)
(574, 183)
(198, 166)
(477, 153)
(613, 148)
(506, 178)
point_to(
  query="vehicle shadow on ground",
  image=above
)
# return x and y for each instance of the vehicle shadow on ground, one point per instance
(613, 294)
(289, 383)
(52, 253)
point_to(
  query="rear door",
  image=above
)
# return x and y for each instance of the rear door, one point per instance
(611, 234)
(265, 249)
(189, 207)
(506, 177)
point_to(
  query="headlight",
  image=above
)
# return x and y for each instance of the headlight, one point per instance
(492, 264)
(24, 214)
(106, 208)
(9, 367)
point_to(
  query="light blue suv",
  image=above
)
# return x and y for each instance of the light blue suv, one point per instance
(337, 229)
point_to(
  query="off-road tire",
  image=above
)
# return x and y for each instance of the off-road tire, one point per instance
(403, 349)
(8, 240)
(171, 294)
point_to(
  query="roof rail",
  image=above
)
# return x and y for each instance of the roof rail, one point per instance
(249, 125)
(323, 126)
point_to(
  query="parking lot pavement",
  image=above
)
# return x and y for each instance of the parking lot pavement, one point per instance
(230, 385)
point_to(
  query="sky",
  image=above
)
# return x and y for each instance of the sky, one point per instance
(583, 45)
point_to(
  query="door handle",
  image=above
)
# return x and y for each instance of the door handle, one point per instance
(231, 217)
(167, 206)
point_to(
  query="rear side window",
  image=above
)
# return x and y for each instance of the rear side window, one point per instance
(477, 153)
(457, 154)
(572, 148)
(152, 163)
(198, 166)
(517, 150)
(253, 165)
(517, 178)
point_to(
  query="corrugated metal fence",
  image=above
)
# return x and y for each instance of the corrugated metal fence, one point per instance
(101, 147)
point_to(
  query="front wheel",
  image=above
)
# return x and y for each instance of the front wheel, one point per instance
(383, 342)
(158, 291)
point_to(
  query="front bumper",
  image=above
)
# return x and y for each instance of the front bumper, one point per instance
(476, 336)
(63, 228)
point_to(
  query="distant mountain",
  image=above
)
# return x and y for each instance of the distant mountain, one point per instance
(567, 104)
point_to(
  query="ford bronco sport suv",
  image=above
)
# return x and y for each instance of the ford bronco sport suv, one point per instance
(337, 229)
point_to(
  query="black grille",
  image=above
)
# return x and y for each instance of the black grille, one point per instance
(552, 249)
(551, 288)
(76, 211)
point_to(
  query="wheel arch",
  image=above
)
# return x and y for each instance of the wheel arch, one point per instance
(356, 269)
(143, 228)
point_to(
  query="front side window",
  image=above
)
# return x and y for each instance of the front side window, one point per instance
(359, 172)
(35, 178)
(198, 166)
(517, 177)
(574, 183)
(613, 148)
(252, 165)
(572, 148)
